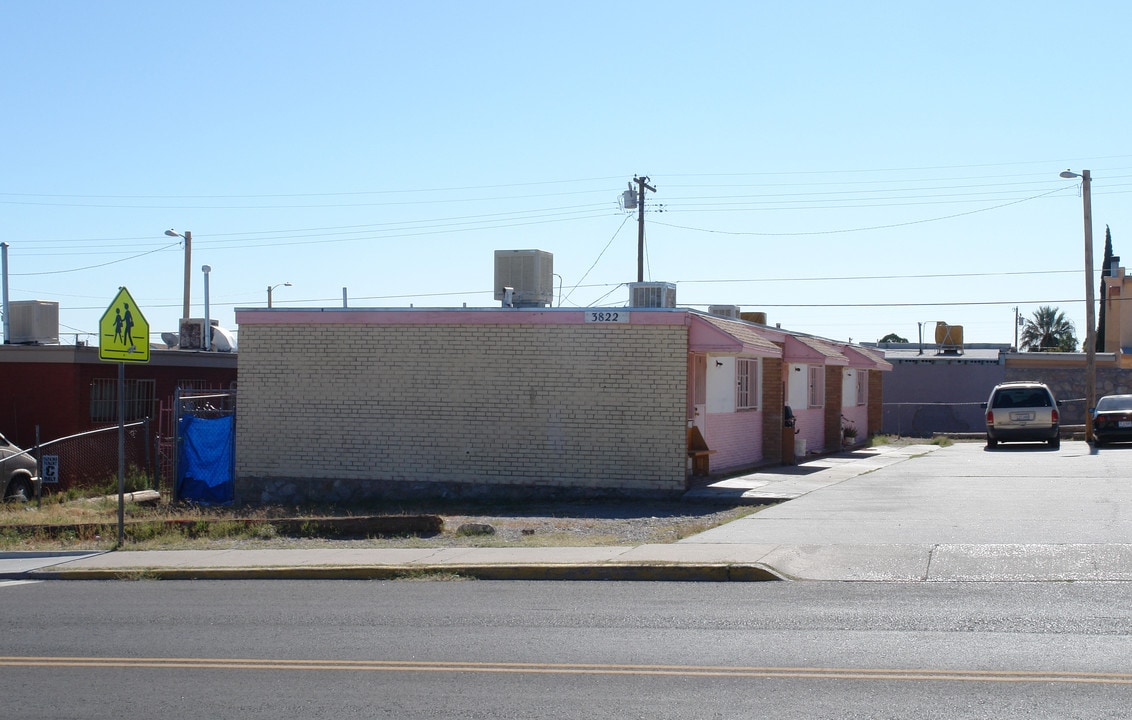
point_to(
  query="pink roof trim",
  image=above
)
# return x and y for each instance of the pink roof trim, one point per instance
(458, 316)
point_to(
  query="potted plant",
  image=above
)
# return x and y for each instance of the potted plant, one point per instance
(849, 435)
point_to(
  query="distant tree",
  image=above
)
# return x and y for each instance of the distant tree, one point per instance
(1049, 331)
(1106, 271)
(893, 338)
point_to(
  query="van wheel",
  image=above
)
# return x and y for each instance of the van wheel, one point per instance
(19, 490)
(991, 442)
(1055, 443)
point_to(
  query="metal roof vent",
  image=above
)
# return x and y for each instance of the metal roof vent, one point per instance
(652, 295)
(727, 311)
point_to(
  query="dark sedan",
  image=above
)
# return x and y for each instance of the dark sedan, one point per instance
(1112, 419)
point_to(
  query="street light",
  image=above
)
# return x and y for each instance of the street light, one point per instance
(188, 236)
(272, 287)
(1090, 312)
(207, 339)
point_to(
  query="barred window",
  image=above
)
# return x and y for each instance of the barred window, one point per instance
(816, 396)
(862, 387)
(747, 376)
(139, 399)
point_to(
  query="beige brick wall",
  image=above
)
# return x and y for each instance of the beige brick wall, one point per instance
(569, 406)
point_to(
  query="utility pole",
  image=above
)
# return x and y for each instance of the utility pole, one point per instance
(642, 185)
(188, 238)
(1017, 324)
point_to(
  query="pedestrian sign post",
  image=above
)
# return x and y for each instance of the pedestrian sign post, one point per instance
(123, 333)
(123, 336)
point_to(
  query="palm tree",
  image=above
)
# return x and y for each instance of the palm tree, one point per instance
(1049, 331)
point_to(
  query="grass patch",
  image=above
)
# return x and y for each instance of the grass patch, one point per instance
(430, 576)
(69, 522)
(83, 523)
(899, 440)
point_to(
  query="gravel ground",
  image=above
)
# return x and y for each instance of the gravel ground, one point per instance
(573, 525)
(558, 525)
(547, 525)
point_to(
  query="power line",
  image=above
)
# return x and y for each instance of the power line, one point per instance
(92, 267)
(906, 169)
(904, 305)
(595, 262)
(886, 277)
(862, 229)
(323, 194)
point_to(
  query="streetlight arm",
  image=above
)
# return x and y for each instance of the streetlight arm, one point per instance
(188, 238)
(272, 287)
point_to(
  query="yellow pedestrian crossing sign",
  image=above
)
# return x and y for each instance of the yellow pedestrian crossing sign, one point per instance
(123, 332)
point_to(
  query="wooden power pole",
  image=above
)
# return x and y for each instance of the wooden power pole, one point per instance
(642, 185)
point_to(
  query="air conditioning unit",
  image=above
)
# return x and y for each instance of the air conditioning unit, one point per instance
(652, 295)
(727, 311)
(192, 334)
(530, 273)
(33, 322)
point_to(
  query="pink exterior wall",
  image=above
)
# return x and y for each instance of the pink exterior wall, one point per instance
(859, 416)
(736, 438)
(811, 426)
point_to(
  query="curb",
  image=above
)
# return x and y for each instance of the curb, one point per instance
(635, 573)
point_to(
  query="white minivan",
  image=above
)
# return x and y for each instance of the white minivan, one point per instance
(1022, 411)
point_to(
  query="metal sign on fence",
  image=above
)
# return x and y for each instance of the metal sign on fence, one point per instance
(49, 471)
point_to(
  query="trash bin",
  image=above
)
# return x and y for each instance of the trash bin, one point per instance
(800, 447)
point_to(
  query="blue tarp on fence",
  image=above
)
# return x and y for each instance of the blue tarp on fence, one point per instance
(205, 464)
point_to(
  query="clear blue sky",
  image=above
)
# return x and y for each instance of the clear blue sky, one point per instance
(852, 169)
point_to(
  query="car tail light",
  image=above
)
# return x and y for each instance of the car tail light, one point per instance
(1054, 416)
(990, 417)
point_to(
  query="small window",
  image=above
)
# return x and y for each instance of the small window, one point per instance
(747, 379)
(862, 387)
(816, 396)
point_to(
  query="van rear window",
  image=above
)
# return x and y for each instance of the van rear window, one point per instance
(1021, 397)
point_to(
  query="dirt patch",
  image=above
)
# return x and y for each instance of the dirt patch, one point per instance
(547, 525)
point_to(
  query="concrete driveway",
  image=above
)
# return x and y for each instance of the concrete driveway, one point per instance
(1018, 512)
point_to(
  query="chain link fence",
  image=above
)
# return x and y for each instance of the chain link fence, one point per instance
(90, 459)
(925, 419)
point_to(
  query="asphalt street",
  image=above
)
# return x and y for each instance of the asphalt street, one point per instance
(565, 650)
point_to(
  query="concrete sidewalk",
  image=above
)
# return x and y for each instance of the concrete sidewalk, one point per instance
(852, 518)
